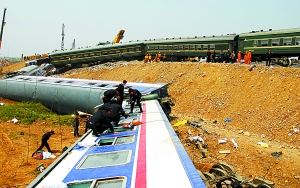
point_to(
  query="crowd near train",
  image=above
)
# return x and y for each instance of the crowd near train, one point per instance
(282, 44)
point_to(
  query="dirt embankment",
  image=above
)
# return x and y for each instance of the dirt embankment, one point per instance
(263, 105)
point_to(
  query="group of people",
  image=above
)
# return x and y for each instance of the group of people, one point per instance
(232, 57)
(228, 57)
(157, 58)
(107, 116)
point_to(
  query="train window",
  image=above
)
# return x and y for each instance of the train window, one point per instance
(287, 42)
(118, 182)
(105, 142)
(73, 56)
(275, 42)
(165, 47)
(151, 47)
(86, 55)
(104, 53)
(80, 184)
(80, 55)
(156, 47)
(192, 47)
(111, 52)
(102, 85)
(70, 81)
(91, 84)
(62, 58)
(198, 47)
(161, 47)
(205, 47)
(118, 51)
(255, 43)
(180, 47)
(186, 47)
(297, 41)
(124, 140)
(264, 42)
(212, 46)
(105, 159)
(175, 47)
(137, 49)
(116, 141)
(241, 43)
(170, 47)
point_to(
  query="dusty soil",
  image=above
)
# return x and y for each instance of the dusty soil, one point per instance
(263, 105)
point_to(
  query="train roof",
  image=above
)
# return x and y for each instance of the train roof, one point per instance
(193, 39)
(71, 94)
(102, 46)
(270, 32)
(146, 155)
(151, 41)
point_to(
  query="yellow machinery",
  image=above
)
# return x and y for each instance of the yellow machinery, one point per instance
(119, 36)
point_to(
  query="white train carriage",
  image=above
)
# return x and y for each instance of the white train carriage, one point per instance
(148, 155)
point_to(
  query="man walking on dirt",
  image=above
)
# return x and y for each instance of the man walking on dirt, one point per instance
(45, 138)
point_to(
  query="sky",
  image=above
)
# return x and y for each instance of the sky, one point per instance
(35, 26)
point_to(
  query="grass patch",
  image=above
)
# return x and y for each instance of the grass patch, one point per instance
(28, 112)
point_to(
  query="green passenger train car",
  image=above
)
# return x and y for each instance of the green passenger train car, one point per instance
(100, 53)
(282, 43)
(184, 48)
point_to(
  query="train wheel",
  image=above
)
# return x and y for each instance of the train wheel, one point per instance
(218, 172)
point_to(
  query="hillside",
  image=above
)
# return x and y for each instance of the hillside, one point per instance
(263, 105)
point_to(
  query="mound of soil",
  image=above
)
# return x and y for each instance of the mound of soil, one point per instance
(228, 100)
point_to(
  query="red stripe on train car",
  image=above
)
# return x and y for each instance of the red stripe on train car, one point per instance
(141, 176)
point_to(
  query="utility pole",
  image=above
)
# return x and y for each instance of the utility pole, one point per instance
(3, 23)
(63, 37)
(73, 45)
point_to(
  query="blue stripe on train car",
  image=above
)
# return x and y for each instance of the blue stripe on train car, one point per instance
(106, 171)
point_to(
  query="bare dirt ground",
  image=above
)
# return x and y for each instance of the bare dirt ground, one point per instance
(263, 105)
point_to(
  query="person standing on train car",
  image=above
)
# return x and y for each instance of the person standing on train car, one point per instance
(120, 96)
(109, 94)
(239, 56)
(208, 56)
(268, 58)
(135, 96)
(45, 139)
(100, 122)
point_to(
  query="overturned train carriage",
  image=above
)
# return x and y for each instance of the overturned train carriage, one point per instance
(65, 95)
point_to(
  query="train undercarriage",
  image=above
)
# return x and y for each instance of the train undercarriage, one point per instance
(223, 175)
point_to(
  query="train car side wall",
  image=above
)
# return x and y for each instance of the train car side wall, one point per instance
(282, 43)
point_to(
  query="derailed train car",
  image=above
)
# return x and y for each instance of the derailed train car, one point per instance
(145, 153)
(65, 95)
(283, 44)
